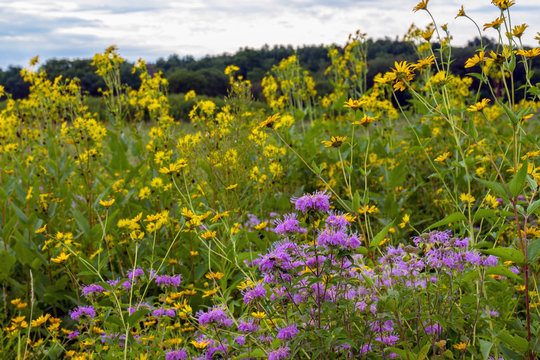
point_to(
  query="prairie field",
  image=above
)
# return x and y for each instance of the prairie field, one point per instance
(395, 221)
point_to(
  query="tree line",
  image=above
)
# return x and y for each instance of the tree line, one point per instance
(206, 77)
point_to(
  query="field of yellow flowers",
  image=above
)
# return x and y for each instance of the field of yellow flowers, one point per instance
(397, 221)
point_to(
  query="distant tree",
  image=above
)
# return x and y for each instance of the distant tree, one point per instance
(13, 82)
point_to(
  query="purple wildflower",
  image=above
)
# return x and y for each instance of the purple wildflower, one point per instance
(337, 220)
(215, 315)
(92, 289)
(163, 312)
(433, 329)
(389, 339)
(135, 272)
(73, 335)
(288, 333)
(490, 261)
(280, 353)
(87, 311)
(318, 201)
(289, 225)
(248, 326)
(176, 355)
(252, 295)
(240, 340)
(169, 280)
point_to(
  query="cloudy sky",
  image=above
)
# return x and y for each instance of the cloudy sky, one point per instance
(158, 28)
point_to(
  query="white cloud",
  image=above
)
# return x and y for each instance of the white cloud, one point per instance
(152, 29)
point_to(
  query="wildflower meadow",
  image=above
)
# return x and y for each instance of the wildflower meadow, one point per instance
(395, 221)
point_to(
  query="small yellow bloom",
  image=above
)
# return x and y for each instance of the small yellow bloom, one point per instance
(208, 234)
(258, 315)
(214, 275)
(479, 106)
(461, 346)
(468, 198)
(335, 141)
(261, 226)
(461, 12)
(106, 203)
(41, 229)
(210, 292)
(529, 53)
(61, 258)
(269, 122)
(442, 157)
(354, 104)
(475, 60)
(200, 345)
(518, 30)
(365, 121)
(230, 187)
(494, 24)
(404, 221)
(40, 320)
(422, 5)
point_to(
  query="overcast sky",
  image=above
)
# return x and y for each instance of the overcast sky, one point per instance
(158, 28)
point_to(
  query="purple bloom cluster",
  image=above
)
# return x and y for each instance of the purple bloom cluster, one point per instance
(280, 353)
(288, 333)
(288, 226)
(169, 280)
(318, 201)
(251, 296)
(248, 326)
(215, 315)
(87, 311)
(338, 238)
(134, 273)
(92, 289)
(337, 220)
(176, 355)
(434, 328)
(163, 312)
(449, 253)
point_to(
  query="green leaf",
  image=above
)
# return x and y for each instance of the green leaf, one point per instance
(21, 215)
(532, 183)
(423, 352)
(533, 249)
(513, 118)
(517, 184)
(485, 348)
(362, 250)
(397, 176)
(6, 263)
(82, 221)
(496, 187)
(532, 207)
(380, 236)
(484, 213)
(454, 217)
(315, 168)
(136, 316)
(515, 341)
(503, 271)
(507, 254)
(356, 201)
(256, 353)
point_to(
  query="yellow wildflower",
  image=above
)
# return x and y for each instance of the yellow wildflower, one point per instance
(335, 141)
(61, 258)
(106, 203)
(442, 157)
(479, 105)
(422, 5)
